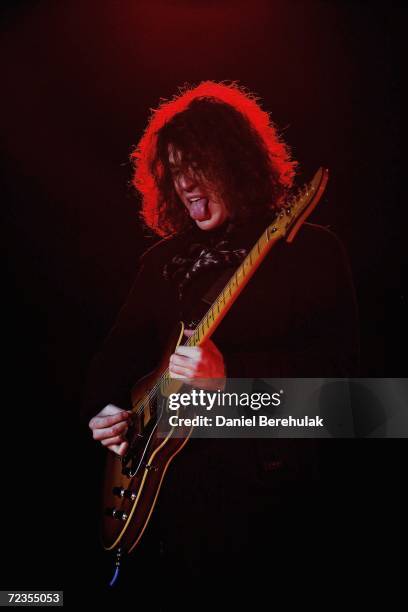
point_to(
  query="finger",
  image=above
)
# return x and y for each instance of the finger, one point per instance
(182, 371)
(112, 409)
(189, 332)
(119, 449)
(186, 381)
(105, 421)
(99, 422)
(189, 351)
(182, 360)
(110, 432)
(111, 441)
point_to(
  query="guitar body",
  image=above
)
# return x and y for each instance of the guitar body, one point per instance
(132, 483)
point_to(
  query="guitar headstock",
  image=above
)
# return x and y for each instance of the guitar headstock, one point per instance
(299, 207)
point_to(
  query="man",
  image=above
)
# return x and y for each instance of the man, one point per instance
(213, 173)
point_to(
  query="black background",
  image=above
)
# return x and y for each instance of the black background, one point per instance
(78, 80)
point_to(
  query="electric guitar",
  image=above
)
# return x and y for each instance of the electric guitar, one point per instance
(132, 483)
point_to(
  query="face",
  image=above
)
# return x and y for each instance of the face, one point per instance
(204, 205)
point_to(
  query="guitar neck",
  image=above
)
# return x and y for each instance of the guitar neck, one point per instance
(233, 288)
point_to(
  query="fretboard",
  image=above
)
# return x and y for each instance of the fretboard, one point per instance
(235, 285)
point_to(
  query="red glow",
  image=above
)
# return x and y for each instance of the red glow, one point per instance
(231, 94)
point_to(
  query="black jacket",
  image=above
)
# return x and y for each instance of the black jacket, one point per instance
(225, 499)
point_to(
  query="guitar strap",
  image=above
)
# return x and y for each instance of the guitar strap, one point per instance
(209, 297)
(213, 292)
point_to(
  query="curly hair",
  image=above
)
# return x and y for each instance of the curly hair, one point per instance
(221, 130)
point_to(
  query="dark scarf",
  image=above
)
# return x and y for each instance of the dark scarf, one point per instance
(222, 248)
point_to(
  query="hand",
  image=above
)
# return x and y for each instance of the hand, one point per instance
(109, 426)
(204, 362)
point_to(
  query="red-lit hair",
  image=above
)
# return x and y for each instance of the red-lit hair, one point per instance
(233, 142)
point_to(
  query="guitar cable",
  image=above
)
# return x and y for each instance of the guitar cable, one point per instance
(117, 567)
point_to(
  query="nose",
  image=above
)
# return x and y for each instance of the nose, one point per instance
(187, 181)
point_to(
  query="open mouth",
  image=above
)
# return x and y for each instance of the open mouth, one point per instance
(198, 209)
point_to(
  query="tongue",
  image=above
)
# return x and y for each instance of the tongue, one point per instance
(199, 210)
